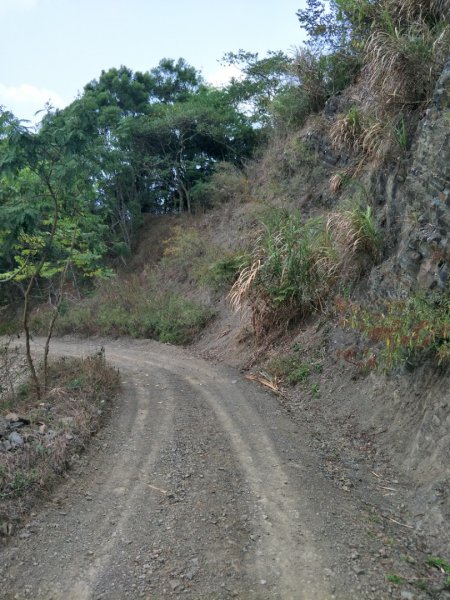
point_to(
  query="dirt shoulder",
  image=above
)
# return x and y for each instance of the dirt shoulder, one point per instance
(201, 485)
(382, 438)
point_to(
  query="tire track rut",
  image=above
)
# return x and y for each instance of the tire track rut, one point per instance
(199, 486)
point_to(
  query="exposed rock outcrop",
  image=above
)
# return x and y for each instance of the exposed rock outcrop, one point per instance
(418, 210)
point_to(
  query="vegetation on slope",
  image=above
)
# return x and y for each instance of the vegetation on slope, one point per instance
(72, 193)
(296, 265)
(39, 440)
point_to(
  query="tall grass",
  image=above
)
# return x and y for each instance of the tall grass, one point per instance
(139, 306)
(404, 331)
(402, 64)
(296, 264)
(282, 273)
(403, 49)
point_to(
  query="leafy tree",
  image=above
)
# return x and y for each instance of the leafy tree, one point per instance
(43, 177)
(152, 137)
(178, 145)
(263, 80)
(173, 82)
(122, 91)
(337, 25)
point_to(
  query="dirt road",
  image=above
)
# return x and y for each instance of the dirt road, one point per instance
(200, 486)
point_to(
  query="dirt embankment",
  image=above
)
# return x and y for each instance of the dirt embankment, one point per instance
(370, 428)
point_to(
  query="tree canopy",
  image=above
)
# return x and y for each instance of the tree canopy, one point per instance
(73, 189)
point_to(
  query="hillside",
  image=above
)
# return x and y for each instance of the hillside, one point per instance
(293, 226)
(370, 428)
(405, 413)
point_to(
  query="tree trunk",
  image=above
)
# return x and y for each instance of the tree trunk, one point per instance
(56, 313)
(33, 278)
(26, 328)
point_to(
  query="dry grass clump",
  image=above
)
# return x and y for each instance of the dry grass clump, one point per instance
(401, 65)
(290, 166)
(13, 366)
(78, 396)
(407, 47)
(355, 239)
(378, 140)
(368, 138)
(347, 130)
(297, 264)
(404, 52)
(410, 11)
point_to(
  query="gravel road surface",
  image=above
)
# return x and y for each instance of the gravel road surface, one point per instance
(199, 486)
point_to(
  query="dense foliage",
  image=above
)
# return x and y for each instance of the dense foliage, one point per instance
(131, 143)
(74, 189)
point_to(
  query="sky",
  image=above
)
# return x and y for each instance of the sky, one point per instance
(49, 49)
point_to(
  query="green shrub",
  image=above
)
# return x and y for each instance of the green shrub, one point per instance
(223, 272)
(114, 320)
(289, 368)
(184, 252)
(283, 279)
(9, 325)
(287, 271)
(178, 320)
(75, 319)
(20, 483)
(189, 256)
(321, 76)
(229, 184)
(291, 108)
(296, 264)
(407, 330)
(340, 70)
(144, 311)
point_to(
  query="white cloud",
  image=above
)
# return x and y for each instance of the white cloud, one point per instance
(16, 5)
(224, 75)
(25, 100)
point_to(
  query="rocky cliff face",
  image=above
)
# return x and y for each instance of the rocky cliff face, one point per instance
(417, 210)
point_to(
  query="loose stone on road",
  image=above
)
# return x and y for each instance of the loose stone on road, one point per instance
(200, 486)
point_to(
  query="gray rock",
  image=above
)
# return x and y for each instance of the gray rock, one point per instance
(17, 424)
(192, 572)
(422, 259)
(3, 426)
(16, 440)
(406, 595)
